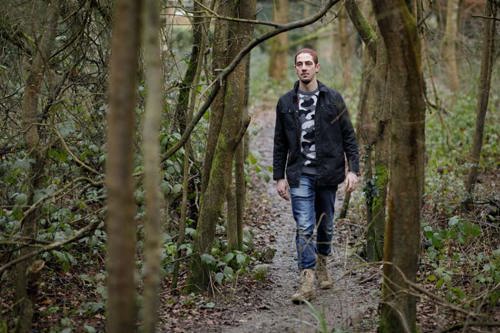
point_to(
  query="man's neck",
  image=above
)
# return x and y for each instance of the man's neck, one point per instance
(311, 86)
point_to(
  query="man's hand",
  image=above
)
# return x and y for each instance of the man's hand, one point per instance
(283, 189)
(351, 182)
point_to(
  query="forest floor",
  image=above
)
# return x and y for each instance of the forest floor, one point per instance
(250, 306)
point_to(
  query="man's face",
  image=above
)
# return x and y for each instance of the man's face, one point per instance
(305, 68)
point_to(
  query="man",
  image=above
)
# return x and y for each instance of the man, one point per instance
(313, 137)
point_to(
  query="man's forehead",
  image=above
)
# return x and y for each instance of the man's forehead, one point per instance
(305, 57)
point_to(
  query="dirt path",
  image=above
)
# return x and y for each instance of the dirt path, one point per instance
(352, 302)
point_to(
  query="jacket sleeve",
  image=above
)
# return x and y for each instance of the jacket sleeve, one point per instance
(280, 150)
(348, 138)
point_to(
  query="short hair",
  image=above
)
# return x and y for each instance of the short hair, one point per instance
(312, 52)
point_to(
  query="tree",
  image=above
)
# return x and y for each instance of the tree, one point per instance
(236, 100)
(220, 60)
(448, 47)
(373, 129)
(483, 92)
(194, 68)
(187, 82)
(120, 222)
(152, 169)
(28, 270)
(278, 57)
(345, 48)
(230, 134)
(407, 108)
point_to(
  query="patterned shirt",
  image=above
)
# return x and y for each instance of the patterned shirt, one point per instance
(307, 110)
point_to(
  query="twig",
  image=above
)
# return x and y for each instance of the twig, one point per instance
(473, 323)
(235, 19)
(486, 17)
(42, 199)
(422, 290)
(78, 235)
(417, 289)
(77, 160)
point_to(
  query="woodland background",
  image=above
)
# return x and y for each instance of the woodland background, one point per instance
(125, 168)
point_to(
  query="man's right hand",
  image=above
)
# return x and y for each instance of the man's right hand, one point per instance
(283, 189)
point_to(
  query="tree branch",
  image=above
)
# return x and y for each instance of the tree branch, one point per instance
(365, 30)
(77, 160)
(42, 199)
(486, 17)
(235, 19)
(52, 246)
(16, 38)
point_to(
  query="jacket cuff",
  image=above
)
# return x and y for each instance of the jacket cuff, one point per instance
(354, 168)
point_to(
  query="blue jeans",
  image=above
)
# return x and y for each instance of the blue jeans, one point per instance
(312, 206)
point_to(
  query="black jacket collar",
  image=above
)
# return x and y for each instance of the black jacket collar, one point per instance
(321, 87)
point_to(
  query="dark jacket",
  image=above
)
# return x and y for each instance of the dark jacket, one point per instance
(334, 138)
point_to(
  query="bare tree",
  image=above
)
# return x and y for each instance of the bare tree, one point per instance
(236, 100)
(345, 48)
(220, 60)
(448, 47)
(27, 271)
(227, 141)
(373, 129)
(200, 29)
(121, 225)
(152, 169)
(278, 57)
(482, 96)
(407, 108)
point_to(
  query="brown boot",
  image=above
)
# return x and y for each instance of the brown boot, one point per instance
(306, 289)
(324, 280)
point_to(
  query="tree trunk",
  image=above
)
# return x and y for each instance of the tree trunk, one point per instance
(152, 168)
(278, 58)
(232, 218)
(228, 140)
(448, 47)
(345, 49)
(239, 100)
(187, 83)
(121, 225)
(402, 232)
(199, 39)
(375, 122)
(482, 97)
(25, 296)
(379, 97)
(219, 62)
(240, 158)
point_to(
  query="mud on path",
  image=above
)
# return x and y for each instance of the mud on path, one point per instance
(349, 306)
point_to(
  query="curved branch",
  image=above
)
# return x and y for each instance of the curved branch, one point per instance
(77, 160)
(83, 232)
(365, 30)
(42, 199)
(235, 19)
(226, 71)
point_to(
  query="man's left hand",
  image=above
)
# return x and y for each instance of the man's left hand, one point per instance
(351, 181)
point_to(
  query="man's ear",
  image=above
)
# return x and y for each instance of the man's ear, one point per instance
(317, 67)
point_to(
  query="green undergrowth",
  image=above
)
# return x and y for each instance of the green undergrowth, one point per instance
(461, 249)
